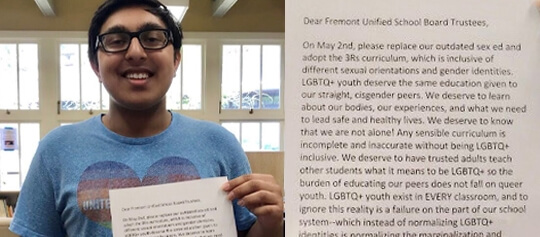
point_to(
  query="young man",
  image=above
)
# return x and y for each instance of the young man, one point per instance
(134, 49)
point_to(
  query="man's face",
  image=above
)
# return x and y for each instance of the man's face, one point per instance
(136, 79)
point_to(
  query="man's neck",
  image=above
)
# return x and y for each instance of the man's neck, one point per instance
(133, 123)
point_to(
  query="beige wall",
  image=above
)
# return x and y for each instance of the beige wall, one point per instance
(75, 15)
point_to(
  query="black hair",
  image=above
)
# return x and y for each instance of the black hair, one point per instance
(111, 6)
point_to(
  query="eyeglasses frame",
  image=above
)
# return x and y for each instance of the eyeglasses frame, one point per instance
(132, 35)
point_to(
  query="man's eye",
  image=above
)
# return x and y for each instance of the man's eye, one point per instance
(152, 39)
(116, 42)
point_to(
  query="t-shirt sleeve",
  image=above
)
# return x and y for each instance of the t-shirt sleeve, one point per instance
(35, 211)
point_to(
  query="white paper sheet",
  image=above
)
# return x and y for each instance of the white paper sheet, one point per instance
(189, 208)
(411, 118)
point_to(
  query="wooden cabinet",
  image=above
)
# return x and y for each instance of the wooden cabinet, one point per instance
(267, 163)
(4, 227)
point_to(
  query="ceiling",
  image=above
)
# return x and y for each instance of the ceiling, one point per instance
(75, 15)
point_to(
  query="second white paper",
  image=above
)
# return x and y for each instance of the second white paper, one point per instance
(189, 208)
(412, 118)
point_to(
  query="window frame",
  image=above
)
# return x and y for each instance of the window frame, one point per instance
(257, 114)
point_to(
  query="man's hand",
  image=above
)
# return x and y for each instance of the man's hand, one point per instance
(260, 194)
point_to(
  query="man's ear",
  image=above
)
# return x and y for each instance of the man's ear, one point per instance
(177, 59)
(95, 68)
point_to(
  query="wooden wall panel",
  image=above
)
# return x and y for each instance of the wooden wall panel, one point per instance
(267, 163)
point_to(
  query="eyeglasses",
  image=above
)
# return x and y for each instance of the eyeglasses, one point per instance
(120, 41)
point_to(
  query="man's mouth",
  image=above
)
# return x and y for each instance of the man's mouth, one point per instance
(137, 76)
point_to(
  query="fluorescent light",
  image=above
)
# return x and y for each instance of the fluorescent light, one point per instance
(178, 12)
(222, 6)
(46, 7)
(177, 7)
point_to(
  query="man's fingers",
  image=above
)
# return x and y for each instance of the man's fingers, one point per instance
(248, 177)
(261, 198)
(246, 184)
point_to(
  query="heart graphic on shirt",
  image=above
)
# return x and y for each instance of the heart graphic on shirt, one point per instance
(99, 178)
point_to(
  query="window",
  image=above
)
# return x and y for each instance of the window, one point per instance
(251, 79)
(256, 136)
(19, 67)
(185, 92)
(14, 164)
(76, 74)
(251, 76)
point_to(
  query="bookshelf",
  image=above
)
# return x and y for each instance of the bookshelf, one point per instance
(10, 197)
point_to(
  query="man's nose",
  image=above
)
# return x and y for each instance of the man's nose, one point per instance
(135, 50)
